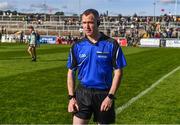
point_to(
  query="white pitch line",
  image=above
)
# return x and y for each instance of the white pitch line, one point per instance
(126, 105)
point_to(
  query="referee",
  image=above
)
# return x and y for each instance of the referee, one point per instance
(99, 61)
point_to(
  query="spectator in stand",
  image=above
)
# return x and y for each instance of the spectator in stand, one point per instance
(58, 40)
(157, 34)
(38, 38)
(21, 36)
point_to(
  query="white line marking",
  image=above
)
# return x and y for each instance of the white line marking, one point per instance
(126, 105)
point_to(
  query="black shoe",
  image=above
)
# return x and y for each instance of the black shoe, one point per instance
(34, 59)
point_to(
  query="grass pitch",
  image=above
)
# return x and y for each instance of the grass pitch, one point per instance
(36, 93)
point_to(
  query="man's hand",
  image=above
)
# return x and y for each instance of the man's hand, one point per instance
(106, 104)
(73, 107)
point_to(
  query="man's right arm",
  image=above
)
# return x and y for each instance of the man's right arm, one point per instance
(72, 107)
(70, 82)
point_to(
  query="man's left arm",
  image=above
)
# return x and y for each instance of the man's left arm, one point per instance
(118, 62)
(116, 81)
(107, 103)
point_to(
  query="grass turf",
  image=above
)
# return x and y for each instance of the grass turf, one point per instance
(36, 92)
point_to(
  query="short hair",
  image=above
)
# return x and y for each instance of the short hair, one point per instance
(91, 11)
(31, 27)
(94, 12)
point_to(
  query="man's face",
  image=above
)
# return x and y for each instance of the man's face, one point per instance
(30, 29)
(89, 24)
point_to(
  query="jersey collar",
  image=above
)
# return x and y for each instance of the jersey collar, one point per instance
(102, 37)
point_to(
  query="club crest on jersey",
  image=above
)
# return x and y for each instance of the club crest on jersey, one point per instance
(82, 55)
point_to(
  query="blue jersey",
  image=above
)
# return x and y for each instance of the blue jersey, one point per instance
(95, 62)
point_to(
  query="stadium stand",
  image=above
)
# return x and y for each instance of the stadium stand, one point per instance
(132, 28)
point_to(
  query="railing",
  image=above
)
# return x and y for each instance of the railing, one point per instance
(61, 26)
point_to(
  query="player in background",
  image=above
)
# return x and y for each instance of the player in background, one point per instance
(32, 44)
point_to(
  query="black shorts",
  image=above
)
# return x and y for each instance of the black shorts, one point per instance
(32, 45)
(89, 102)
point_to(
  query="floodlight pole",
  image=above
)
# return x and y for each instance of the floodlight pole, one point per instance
(175, 10)
(154, 18)
(79, 14)
(79, 8)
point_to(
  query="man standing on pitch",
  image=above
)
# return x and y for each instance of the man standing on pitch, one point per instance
(96, 57)
(32, 43)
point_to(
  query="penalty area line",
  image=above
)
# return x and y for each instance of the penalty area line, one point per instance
(131, 101)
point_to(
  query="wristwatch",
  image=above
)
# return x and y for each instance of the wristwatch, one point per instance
(71, 96)
(111, 96)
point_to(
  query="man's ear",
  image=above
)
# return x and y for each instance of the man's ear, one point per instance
(98, 23)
